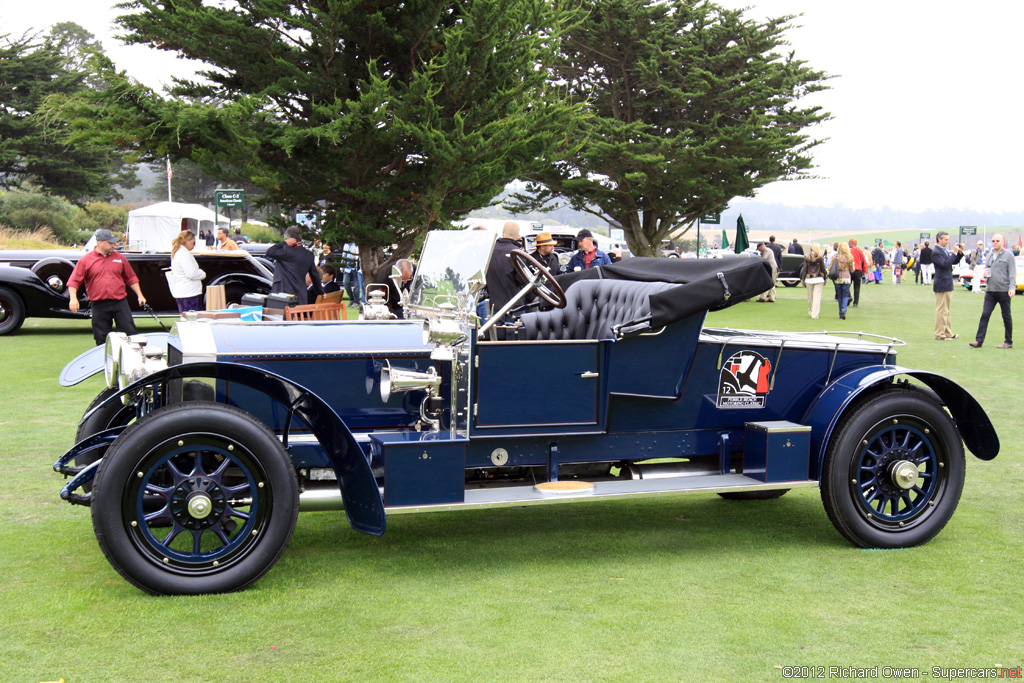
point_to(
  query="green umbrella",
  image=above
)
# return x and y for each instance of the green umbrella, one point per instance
(725, 240)
(741, 236)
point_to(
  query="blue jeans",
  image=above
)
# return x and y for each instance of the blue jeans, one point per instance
(844, 297)
(352, 281)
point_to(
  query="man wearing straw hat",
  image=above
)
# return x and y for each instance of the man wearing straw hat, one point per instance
(545, 253)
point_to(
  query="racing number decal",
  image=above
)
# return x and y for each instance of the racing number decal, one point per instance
(744, 381)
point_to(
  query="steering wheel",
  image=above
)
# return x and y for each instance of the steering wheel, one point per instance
(547, 287)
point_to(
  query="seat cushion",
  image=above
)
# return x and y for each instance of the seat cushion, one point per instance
(593, 308)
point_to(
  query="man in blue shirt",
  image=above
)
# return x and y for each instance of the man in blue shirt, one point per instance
(588, 255)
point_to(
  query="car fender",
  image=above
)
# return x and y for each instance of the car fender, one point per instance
(824, 414)
(90, 362)
(363, 503)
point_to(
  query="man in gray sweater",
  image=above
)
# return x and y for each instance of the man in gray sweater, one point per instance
(1000, 287)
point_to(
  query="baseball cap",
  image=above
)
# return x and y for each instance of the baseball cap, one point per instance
(584, 233)
(104, 235)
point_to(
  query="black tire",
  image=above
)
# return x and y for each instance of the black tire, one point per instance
(896, 428)
(12, 311)
(173, 530)
(754, 495)
(789, 283)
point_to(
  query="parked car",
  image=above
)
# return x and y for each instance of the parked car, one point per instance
(34, 283)
(207, 442)
(965, 275)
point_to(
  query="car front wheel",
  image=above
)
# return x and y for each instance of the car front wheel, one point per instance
(195, 498)
(894, 471)
(12, 311)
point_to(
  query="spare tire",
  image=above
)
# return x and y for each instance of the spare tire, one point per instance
(55, 272)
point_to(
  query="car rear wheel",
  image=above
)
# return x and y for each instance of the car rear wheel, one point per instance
(12, 311)
(195, 498)
(894, 471)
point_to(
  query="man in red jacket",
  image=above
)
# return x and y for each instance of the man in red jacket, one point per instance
(859, 266)
(106, 275)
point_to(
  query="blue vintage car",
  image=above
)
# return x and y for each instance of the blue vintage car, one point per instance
(208, 441)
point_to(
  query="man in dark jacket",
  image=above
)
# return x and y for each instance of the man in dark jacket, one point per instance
(927, 267)
(502, 281)
(795, 248)
(878, 259)
(777, 251)
(944, 260)
(294, 263)
(588, 255)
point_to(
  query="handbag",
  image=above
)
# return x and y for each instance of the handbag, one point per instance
(833, 270)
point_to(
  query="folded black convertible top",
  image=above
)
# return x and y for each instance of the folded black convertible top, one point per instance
(704, 284)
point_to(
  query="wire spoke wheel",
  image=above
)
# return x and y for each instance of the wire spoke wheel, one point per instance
(893, 471)
(195, 498)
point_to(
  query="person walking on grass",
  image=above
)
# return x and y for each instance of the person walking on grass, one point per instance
(845, 269)
(1000, 288)
(813, 279)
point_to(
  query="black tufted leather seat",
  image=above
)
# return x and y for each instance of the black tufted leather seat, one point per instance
(593, 307)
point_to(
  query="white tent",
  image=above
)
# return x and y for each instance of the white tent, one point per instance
(152, 228)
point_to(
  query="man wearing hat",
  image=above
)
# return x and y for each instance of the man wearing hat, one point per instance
(106, 275)
(588, 255)
(545, 253)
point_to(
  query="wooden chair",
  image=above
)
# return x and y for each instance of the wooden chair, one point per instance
(331, 298)
(315, 312)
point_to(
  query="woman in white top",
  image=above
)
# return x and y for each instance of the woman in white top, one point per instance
(186, 275)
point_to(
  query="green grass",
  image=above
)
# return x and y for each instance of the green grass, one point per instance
(688, 589)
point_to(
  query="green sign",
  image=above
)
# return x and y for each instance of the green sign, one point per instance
(229, 198)
(925, 235)
(968, 229)
(711, 219)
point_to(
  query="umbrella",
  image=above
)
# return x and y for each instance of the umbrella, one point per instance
(741, 236)
(725, 240)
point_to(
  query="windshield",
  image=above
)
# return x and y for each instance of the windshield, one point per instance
(451, 259)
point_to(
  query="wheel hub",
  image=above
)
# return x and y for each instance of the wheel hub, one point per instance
(55, 282)
(904, 474)
(198, 503)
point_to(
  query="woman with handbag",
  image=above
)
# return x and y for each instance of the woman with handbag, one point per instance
(813, 279)
(186, 277)
(844, 267)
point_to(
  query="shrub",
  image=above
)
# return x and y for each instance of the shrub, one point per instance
(100, 215)
(31, 210)
(261, 233)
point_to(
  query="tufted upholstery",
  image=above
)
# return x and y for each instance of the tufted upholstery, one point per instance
(592, 308)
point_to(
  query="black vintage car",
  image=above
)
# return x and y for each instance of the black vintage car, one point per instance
(34, 283)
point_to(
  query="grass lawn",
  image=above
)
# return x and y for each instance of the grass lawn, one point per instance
(680, 589)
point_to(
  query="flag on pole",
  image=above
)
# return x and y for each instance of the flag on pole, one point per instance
(170, 173)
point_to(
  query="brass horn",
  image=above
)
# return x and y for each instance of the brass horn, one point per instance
(394, 381)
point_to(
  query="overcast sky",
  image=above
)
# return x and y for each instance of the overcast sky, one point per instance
(927, 100)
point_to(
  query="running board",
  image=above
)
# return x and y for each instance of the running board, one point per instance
(514, 496)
